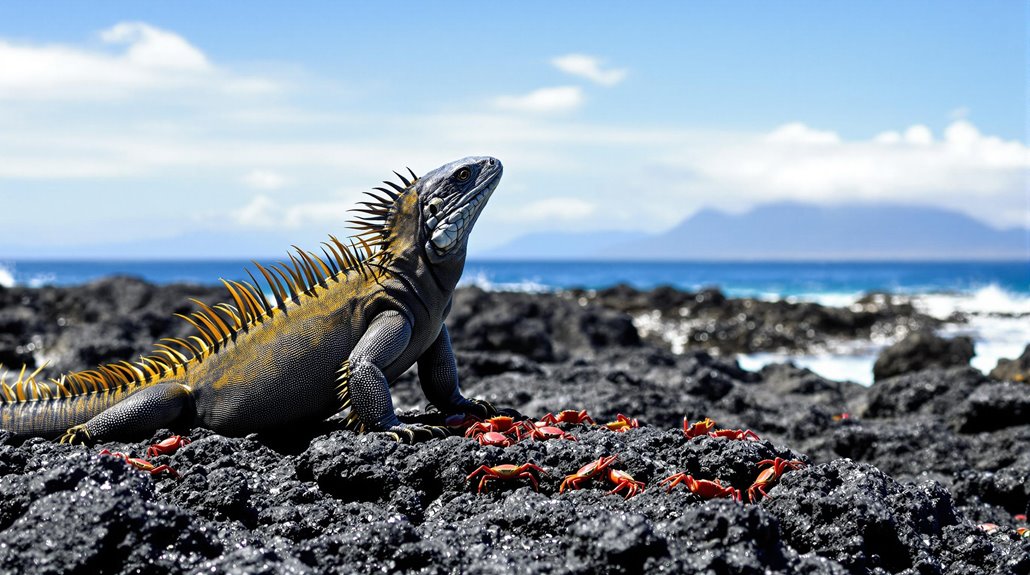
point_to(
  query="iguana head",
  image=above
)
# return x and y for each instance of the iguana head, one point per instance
(451, 198)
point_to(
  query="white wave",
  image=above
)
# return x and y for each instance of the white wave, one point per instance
(6, 277)
(995, 319)
(838, 367)
(483, 281)
(40, 280)
(990, 299)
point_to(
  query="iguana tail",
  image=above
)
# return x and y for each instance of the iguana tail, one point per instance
(30, 407)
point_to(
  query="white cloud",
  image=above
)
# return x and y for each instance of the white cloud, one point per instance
(151, 61)
(558, 99)
(798, 133)
(966, 171)
(263, 212)
(590, 68)
(60, 136)
(264, 180)
(150, 47)
(550, 209)
(919, 135)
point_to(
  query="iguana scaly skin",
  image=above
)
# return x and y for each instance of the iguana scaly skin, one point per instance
(341, 328)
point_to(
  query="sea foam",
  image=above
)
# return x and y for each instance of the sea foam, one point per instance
(997, 320)
(6, 277)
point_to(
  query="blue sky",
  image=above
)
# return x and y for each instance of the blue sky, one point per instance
(173, 129)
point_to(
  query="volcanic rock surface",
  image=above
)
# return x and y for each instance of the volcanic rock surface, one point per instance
(898, 477)
(707, 318)
(921, 350)
(1014, 369)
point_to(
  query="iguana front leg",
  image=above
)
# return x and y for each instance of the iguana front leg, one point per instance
(369, 391)
(438, 375)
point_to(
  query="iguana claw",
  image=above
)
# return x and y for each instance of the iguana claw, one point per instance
(76, 434)
(480, 408)
(416, 432)
(483, 409)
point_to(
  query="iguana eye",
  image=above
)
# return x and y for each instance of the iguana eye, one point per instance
(463, 174)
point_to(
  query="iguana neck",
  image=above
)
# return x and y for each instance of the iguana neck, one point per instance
(447, 273)
(434, 281)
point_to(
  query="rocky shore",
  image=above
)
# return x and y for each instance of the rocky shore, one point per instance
(906, 476)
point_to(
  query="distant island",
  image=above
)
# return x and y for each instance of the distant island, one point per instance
(789, 231)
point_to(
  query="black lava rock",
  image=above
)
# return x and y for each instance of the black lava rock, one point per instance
(1017, 370)
(895, 478)
(922, 350)
(710, 320)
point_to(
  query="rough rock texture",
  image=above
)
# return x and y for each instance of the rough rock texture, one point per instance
(542, 327)
(922, 350)
(899, 475)
(108, 319)
(709, 319)
(1014, 369)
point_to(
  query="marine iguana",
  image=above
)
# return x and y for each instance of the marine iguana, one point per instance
(340, 329)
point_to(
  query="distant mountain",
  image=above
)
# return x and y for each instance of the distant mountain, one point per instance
(797, 231)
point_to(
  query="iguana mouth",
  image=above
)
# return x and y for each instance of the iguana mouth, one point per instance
(457, 224)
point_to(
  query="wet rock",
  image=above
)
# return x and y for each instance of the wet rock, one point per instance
(95, 514)
(922, 350)
(858, 516)
(994, 406)
(1017, 370)
(933, 392)
(708, 319)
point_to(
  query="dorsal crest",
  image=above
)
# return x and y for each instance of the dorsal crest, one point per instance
(382, 221)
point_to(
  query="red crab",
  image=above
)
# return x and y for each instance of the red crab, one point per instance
(506, 472)
(168, 446)
(735, 434)
(698, 429)
(622, 423)
(587, 472)
(568, 416)
(624, 482)
(988, 528)
(769, 475)
(705, 426)
(502, 424)
(142, 464)
(702, 487)
(544, 432)
(494, 438)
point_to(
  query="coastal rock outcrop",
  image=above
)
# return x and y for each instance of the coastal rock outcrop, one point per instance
(1014, 369)
(899, 477)
(710, 320)
(922, 350)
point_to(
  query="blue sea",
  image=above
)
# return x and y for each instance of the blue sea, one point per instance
(772, 279)
(995, 296)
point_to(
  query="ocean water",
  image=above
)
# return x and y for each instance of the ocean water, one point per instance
(995, 296)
